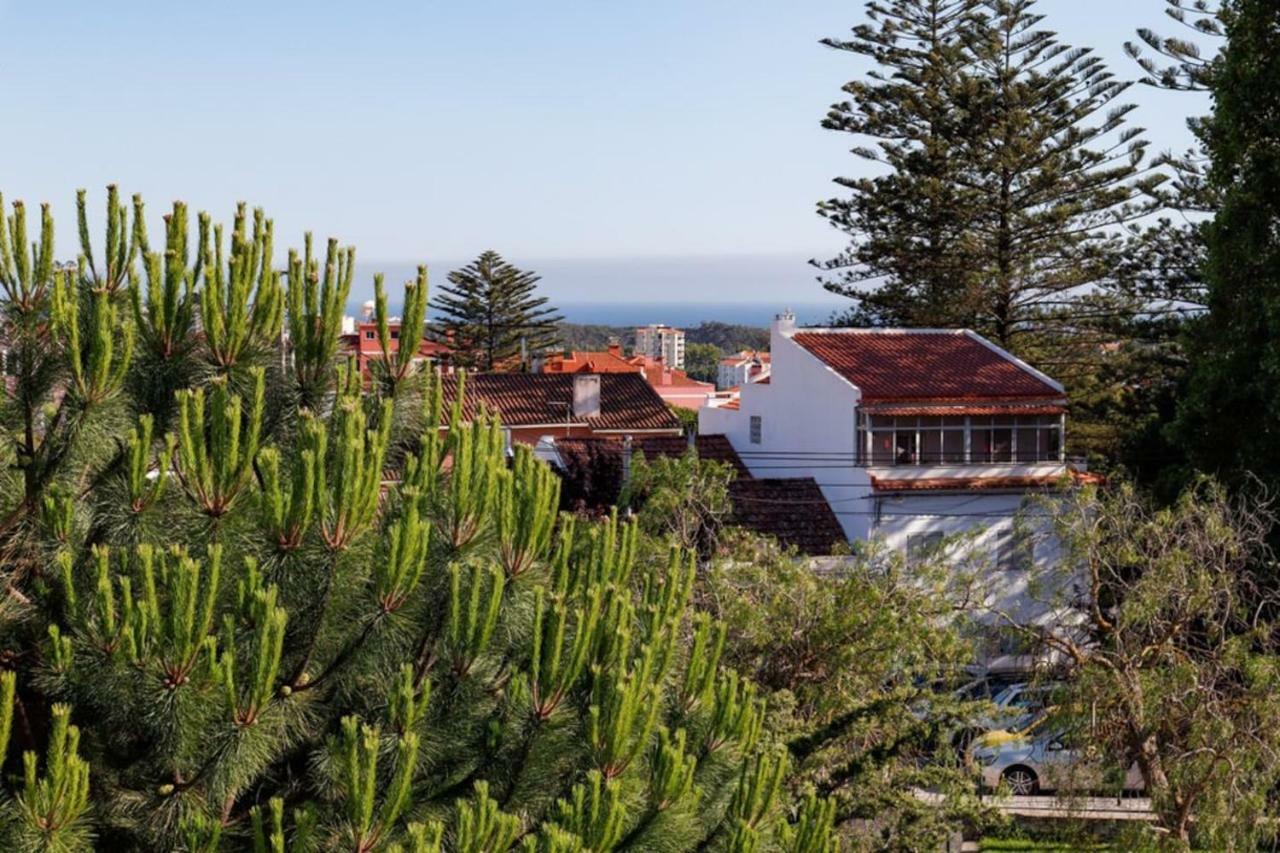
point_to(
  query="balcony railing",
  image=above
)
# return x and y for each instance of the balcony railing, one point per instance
(959, 440)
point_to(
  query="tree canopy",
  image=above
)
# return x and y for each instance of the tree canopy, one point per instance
(319, 611)
(490, 315)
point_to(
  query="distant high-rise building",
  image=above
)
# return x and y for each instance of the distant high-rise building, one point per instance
(659, 341)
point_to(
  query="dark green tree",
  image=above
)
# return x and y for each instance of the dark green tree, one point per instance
(1008, 166)
(490, 314)
(702, 361)
(354, 626)
(1010, 174)
(909, 260)
(1055, 169)
(1235, 374)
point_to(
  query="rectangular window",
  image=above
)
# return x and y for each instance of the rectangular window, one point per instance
(931, 446)
(980, 444)
(1015, 550)
(882, 447)
(756, 429)
(922, 546)
(1001, 444)
(1029, 445)
(904, 449)
(930, 440)
(368, 336)
(953, 445)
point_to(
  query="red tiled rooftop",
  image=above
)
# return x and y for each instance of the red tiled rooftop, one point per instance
(590, 362)
(715, 448)
(792, 510)
(533, 399)
(923, 365)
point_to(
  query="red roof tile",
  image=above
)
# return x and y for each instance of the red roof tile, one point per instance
(534, 399)
(715, 448)
(923, 365)
(943, 484)
(590, 362)
(792, 510)
(942, 410)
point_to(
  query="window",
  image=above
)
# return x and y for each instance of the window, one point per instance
(884, 440)
(368, 335)
(395, 334)
(1015, 550)
(921, 546)
(756, 427)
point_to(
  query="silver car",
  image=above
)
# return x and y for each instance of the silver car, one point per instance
(1034, 764)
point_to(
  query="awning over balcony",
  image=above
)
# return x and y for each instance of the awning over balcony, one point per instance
(933, 408)
(943, 484)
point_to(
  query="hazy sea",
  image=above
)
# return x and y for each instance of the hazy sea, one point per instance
(677, 291)
(688, 314)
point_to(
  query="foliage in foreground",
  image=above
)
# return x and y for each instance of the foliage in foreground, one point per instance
(1169, 630)
(251, 603)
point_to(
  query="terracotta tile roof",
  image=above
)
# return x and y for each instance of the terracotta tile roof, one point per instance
(942, 410)
(590, 362)
(791, 510)
(745, 355)
(657, 375)
(713, 447)
(923, 365)
(945, 484)
(533, 399)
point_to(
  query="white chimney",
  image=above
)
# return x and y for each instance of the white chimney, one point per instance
(586, 395)
(785, 323)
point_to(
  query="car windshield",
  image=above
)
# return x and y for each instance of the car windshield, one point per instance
(1002, 698)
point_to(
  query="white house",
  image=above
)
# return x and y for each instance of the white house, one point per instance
(742, 368)
(913, 435)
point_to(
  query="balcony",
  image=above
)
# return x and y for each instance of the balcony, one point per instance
(897, 440)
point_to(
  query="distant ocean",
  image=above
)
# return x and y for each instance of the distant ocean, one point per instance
(688, 314)
(677, 291)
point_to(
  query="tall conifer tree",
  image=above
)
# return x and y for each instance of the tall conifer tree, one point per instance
(1235, 377)
(491, 316)
(909, 261)
(1009, 167)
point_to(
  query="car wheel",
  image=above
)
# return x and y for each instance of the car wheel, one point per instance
(1021, 781)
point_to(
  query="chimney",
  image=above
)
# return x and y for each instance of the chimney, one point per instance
(785, 323)
(586, 395)
(615, 346)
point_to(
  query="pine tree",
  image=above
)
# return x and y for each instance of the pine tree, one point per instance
(1011, 178)
(909, 260)
(1005, 145)
(490, 316)
(350, 626)
(1235, 375)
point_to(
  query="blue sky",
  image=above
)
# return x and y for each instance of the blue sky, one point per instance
(591, 140)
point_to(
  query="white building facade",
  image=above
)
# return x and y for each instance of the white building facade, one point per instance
(658, 341)
(742, 368)
(914, 436)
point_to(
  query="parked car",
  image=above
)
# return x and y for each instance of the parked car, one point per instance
(1040, 759)
(1013, 708)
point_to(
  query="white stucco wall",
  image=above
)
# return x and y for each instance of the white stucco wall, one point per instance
(808, 428)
